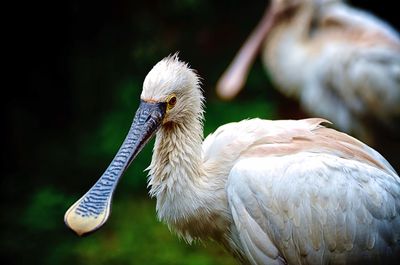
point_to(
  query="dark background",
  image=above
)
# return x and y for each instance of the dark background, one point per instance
(75, 72)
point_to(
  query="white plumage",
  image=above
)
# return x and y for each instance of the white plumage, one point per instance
(271, 192)
(341, 63)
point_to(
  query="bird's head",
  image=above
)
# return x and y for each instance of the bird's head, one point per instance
(171, 94)
(173, 83)
(283, 6)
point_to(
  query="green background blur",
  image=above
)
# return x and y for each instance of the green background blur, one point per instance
(79, 68)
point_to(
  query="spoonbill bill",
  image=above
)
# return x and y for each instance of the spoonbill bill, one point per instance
(339, 62)
(271, 192)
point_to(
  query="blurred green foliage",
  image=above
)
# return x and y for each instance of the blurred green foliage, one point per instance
(84, 63)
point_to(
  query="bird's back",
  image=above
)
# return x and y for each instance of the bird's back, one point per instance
(233, 141)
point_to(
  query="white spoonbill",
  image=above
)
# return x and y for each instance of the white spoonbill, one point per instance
(271, 192)
(339, 62)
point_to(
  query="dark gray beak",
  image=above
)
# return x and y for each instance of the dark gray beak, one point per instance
(91, 211)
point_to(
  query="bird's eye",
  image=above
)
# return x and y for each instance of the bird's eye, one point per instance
(171, 101)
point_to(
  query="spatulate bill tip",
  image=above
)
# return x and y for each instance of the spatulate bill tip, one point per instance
(82, 223)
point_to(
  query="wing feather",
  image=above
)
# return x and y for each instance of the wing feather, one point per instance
(314, 209)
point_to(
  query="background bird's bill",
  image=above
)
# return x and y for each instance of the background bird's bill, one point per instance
(234, 77)
(91, 211)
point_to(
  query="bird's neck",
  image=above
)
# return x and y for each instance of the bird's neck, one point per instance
(176, 156)
(186, 197)
(286, 49)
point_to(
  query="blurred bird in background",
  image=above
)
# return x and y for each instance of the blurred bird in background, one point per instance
(339, 62)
